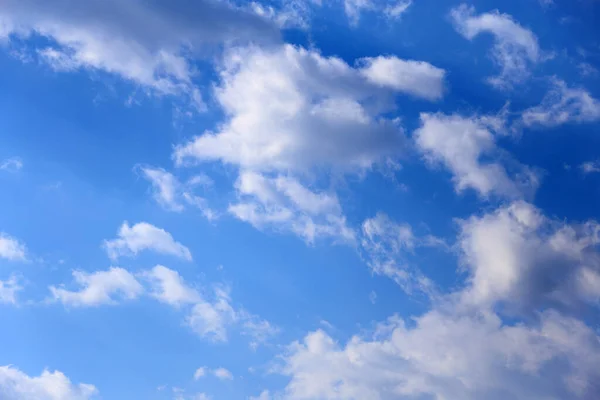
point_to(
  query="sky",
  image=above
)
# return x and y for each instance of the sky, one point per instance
(299, 200)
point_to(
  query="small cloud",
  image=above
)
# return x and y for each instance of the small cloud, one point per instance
(223, 374)
(200, 372)
(373, 297)
(590, 167)
(11, 248)
(13, 164)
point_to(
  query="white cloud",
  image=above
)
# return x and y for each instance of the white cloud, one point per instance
(9, 289)
(98, 288)
(200, 372)
(11, 249)
(212, 319)
(144, 236)
(223, 374)
(283, 203)
(174, 195)
(519, 257)
(169, 287)
(515, 48)
(398, 9)
(563, 105)
(16, 385)
(417, 78)
(590, 167)
(12, 164)
(264, 395)
(143, 42)
(448, 356)
(290, 109)
(353, 9)
(467, 147)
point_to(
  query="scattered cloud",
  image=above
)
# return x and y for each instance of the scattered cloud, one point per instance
(144, 236)
(200, 372)
(169, 287)
(16, 385)
(9, 289)
(590, 167)
(264, 395)
(283, 203)
(515, 47)
(99, 288)
(13, 164)
(223, 374)
(145, 43)
(397, 10)
(561, 105)
(11, 248)
(467, 147)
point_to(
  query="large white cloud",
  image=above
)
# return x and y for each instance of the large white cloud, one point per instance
(144, 236)
(291, 109)
(99, 288)
(16, 385)
(515, 47)
(467, 147)
(144, 42)
(563, 104)
(11, 248)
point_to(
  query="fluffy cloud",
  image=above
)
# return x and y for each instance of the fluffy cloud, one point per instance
(282, 203)
(12, 164)
(515, 47)
(16, 385)
(98, 288)
(291, 109)
(417, 78)
(448, 356)
(169, 287)
(144, 236)
(174, 195)
(11, 249)
(223, 374)
(143, 42)
(398, 9)
(9, 290)
(562, 105)
(518, 256)
(467, 147)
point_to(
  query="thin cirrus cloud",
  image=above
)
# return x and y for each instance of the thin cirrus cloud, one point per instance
(143, 42)
(13, 164)
(143, 236)
(54, 385)
(516, 49)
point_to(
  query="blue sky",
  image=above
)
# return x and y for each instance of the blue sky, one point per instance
(299, 200)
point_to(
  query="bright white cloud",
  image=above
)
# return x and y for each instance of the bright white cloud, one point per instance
(12, 164)
(99, 288)
(467, 147)
(563, 105)
(11, 249)
(291, 109)
(223, 374)
(518, 256)
(169, 287)
(174, 195)
(144, 236)
(144, 42)
(212, 319)
(16, 385)
(398, 9)
(515, 47)
(283, 203)
(417, 78)
(9, 289)
(447, 356)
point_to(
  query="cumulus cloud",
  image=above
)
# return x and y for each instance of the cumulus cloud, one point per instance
(223, 374)
(563, 104)
(467, 147)
(143, 42)
(169, 287)
(99, 288)
(291, 109)
(16, 385)
(174, 195)
(282, 203)
(9, 289)
(516, 255)
(143, 236)
(12, 164)
(11, 248)
(515, 47)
